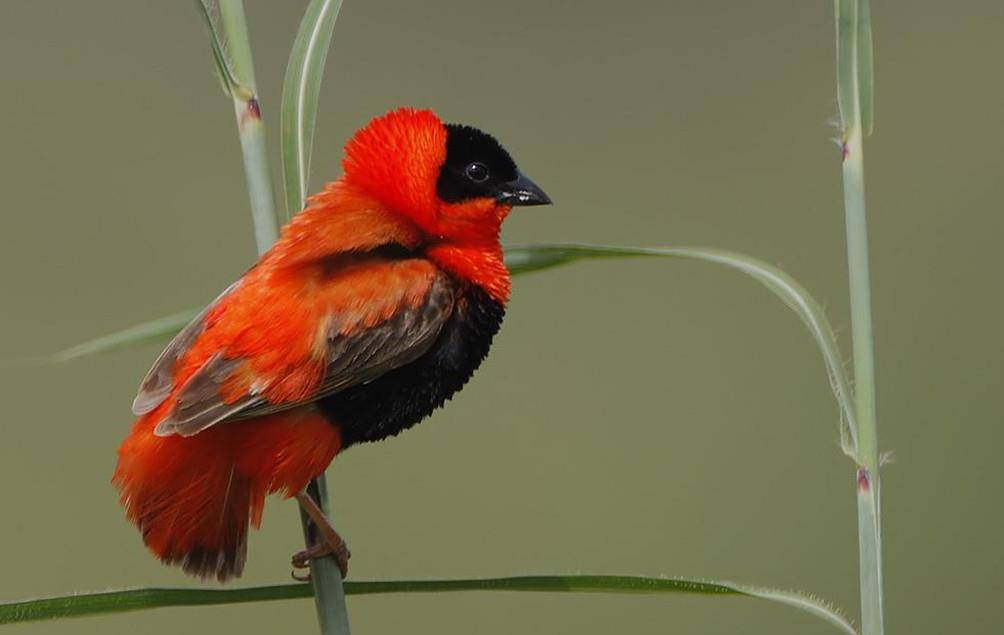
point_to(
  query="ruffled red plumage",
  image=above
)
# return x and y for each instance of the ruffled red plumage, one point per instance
(194, 492)
(194, 497)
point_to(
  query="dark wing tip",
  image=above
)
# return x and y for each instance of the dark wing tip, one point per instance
(190, 425)
(199, 404)
(159, 381)
(148, 400)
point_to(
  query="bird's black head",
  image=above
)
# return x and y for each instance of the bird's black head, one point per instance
(477, 166)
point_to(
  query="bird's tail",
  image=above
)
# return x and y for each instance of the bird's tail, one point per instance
(193, 497)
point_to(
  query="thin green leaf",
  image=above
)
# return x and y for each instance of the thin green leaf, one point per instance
(154, 329)
(231, 86)
(866, 70)
(237, 41)
(300, 93)
(854, 64)
(138, 599)
(846, 11)
(527, 258)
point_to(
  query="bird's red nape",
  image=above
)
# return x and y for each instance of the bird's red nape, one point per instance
(400, 157)
(375, 306)
(396, 158)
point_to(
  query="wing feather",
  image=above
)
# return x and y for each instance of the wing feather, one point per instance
(199, 405)
(159, 380)
(351, 352)
(358, 358)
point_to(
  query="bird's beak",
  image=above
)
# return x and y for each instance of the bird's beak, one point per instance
(522, 191)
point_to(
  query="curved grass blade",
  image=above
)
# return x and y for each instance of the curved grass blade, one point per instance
(535, 257)
(866, 70)
(855, 73)
(300, 91)
(160, 328)
(231, 85)
(86, 604)
(526, 258)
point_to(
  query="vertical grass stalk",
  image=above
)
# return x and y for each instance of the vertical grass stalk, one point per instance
(329, 595)
(300, 95)
(249, 124)
(854, 91)
(329, 592)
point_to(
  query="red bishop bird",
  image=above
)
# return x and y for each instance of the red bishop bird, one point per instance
(377, 303)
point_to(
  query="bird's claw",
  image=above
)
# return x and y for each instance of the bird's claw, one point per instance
(331, 544)
(340, 552)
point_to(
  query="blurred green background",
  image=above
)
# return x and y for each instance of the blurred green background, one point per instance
(635, 417)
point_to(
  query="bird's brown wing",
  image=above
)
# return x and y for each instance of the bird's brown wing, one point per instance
(159, 380)
(363, 324)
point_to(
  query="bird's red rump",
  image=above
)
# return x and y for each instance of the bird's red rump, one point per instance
(193, 498)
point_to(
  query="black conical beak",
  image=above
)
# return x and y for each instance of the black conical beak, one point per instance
(522, 191)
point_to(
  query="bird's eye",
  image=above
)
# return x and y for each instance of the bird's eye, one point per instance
(477, 172)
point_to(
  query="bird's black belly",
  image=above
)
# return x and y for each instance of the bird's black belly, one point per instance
(404, 396)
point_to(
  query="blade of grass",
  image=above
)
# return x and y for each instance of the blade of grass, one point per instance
(87, 604)
(300, 93)
(855, 72)
(854, 94)
(523, 259)
(865, 67)
(224, 73)
(526, 258)
(232, 53)
(147, 331)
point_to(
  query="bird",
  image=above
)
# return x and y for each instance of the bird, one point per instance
(376, 304)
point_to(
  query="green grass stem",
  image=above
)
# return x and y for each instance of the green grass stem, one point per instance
(854, 91)
(236, 55)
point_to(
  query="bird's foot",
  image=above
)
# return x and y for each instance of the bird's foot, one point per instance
(301, 559)
(331, 543)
